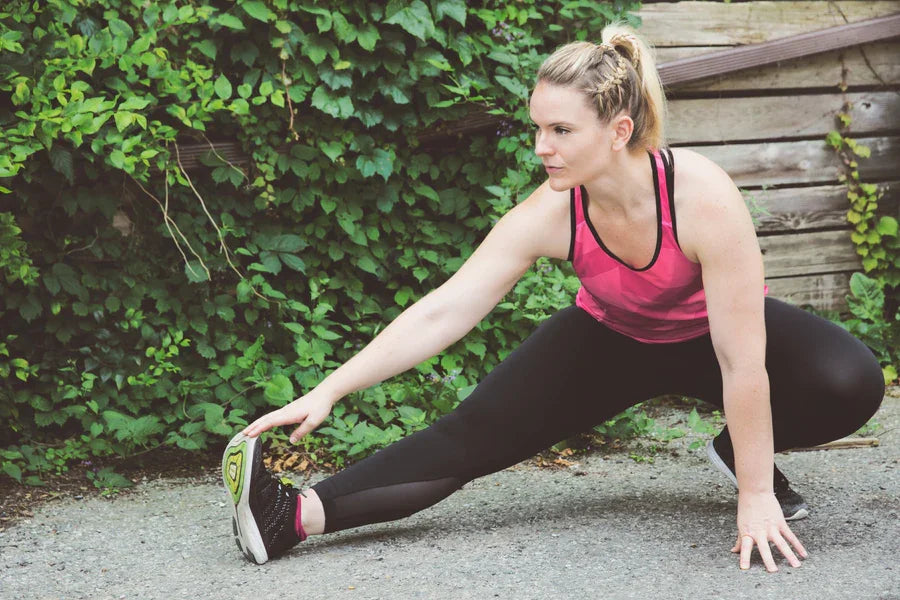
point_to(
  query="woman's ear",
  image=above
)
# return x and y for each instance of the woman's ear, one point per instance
(622, 128)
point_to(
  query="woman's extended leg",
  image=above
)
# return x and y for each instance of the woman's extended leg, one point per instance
(548, 389)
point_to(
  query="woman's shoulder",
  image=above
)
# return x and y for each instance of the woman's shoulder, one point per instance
(704, 194)
(549, 216)
(700, 184)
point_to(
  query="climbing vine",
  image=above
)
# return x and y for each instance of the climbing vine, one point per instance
(874, 301)
(145, 303)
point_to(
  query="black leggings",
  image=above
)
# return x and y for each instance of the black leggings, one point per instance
(573, 373)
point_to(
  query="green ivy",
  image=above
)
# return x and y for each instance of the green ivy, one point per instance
(147, 305)
(874, 302)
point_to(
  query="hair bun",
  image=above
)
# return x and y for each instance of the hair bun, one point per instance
(628, 45)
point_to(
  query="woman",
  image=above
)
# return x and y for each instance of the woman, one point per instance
(667, 306)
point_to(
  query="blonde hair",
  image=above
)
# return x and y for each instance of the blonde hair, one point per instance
(616, 75)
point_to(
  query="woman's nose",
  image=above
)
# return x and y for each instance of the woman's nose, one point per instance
(541, 148)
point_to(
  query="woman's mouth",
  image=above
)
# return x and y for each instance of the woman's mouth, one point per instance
(551, 170)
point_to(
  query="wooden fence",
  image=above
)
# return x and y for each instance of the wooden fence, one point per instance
(766, 127)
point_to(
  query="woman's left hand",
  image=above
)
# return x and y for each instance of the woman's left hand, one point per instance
(761, 521)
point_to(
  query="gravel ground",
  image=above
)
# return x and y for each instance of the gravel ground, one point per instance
(606, 527)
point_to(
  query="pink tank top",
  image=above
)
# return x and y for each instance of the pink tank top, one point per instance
(662, 302)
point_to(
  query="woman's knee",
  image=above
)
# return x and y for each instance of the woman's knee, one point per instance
(857, 386)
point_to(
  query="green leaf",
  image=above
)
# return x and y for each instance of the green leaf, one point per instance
(286, 242)
(428, 192)
(384, 162)
(455, 9)
(279, 390)
(834, 139)
(402, 296)
(258, 11)
(415, 19)
(867, 301)
(69, 280)
(476, 348)
(106, 478)
(367, 264)
(13, 471)
(61, 160)
(332, 149)
(195, 272)
(214, 418)
(294, 262)
(230, 21)
(124, 120)
(144, 428)
(223, 87)
(344, 31)
(117, 159)
(341, 107)
(367, 36)
(208, 48)
(887, 226)
(205, 350)
(323, 17)
(134, 103)
(513, 85)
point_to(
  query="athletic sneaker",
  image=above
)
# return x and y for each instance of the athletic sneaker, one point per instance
(265, 508)
(793, 506)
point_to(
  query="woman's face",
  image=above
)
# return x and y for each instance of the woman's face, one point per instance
(570, 140)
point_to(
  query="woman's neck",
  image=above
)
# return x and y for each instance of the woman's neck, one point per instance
(625, 186)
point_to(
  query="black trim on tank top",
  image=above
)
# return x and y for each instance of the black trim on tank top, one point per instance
(571, 256)
(670, 183)
(587, 219)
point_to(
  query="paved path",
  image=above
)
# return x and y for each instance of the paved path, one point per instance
(606, 528)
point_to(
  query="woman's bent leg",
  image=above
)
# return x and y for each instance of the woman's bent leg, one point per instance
(824, 383)
(546, 390)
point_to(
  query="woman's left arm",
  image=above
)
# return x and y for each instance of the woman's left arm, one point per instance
(724, 241)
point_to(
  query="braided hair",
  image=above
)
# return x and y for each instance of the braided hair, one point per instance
(617, 75)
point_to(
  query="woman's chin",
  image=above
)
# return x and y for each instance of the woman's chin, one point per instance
(558, 184)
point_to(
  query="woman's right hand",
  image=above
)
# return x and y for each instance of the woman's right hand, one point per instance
(309, 411)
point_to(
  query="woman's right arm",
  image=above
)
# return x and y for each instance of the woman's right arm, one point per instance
(437, 320)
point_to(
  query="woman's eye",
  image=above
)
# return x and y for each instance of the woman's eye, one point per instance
(561, 130)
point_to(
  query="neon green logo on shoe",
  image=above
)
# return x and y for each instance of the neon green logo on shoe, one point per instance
(232, 470)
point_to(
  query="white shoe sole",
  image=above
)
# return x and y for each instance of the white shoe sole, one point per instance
(800, 514)
(718, 463)
(237, 467)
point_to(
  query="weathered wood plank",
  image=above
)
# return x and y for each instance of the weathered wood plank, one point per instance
(804, 253)
(797, 209)
(730, 59)
(818, 71)
(727, 24)
(778, 117)
(810, 162)
(822, 292)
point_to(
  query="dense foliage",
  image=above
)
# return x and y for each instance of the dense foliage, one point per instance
(146, 304)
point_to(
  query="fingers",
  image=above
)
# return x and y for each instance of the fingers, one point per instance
(305, 427)
(785, 550)
(270, 420)
(746, 542)
(762, 544)
(795, 542)
(746, 550)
